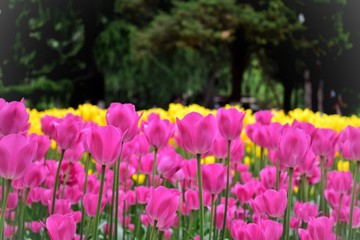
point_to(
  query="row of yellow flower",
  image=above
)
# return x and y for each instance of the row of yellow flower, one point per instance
(93, 113)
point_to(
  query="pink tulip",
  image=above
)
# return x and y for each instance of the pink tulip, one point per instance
(48, 126)
(60, 227)
(324, 141)
(168, 164)
(219, 146)
(230, 122)
(318, 229)
(124, 117)
(158, 132)
(272, 230)
(9, 231)
(16, 155)
(240, 230)
(43, 145)
(14, 119)
(35, 226)
(62, 206)
(263, 117)
(90, 202)
(67, 132)
(190, 167)
(274, 202)
(104, 144)
(162, 207)
(13, 200)
(258, 134)
(341, 182)
(214, 178)
(274, 132)
(142, 194)
(220, 210)
(237, 151)
(350, 143)
(73, 193)
(305, 211)
(197, 132)
(74, 153)
(295, 223)
(192, 199)
(35, 175)
(141, 145)
(294, 145)
(268, 177)
(243, 192)
(306, 126)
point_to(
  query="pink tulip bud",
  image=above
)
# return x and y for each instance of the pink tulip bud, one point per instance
(14, 119)
(162, 207)
(230, 122)
(60, 227)
(125, 118)
(294, 145)
(104, 144)
(90, 202)
(16, 155)
(263, 117)
(305, 211)
(196, 132)
(158, 132)
(324, 141)
(214, 178)
(192, 199)
(67, 133)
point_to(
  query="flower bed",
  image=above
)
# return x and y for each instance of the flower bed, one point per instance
(184, 173)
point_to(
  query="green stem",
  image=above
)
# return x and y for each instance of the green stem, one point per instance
(303, 188)
(226, 190)
(95, 233)
(278, 173)
(88, 229)
(262, 159)
(3, 206)
(84, 192)
(190, 226)
(338, 228)
(154, 168)
(113, 199)
(23, 214)
(216, 204)
(117, 193)
(322, 186)
(353, 197)
(124, 205)
(180, 217)
(56, 185)
(153, 232)
(199, 177)
(137, 228)
(211, 215)
(286, 226)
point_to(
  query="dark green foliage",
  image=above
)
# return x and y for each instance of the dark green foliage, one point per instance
(151, 52)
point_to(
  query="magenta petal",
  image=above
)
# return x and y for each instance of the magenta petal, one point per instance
(204, 133)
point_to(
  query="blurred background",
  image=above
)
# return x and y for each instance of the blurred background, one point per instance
(262, 54)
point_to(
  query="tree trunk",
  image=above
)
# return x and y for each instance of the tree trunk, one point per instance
(239, 60)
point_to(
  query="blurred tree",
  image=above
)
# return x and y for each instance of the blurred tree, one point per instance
(272, 29)
(212, 28)
(54, 40)
(151, 52)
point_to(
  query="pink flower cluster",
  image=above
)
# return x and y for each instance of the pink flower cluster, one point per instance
(73, 197)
